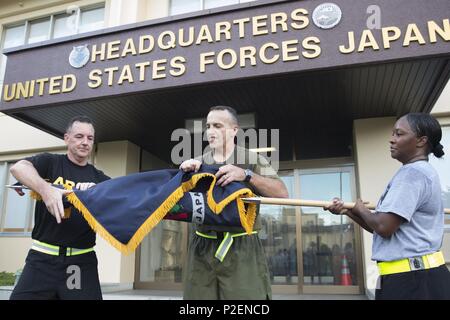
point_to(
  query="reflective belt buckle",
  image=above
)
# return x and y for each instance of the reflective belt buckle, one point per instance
(225, 245)
(428, 261)
(416, 263)
(76, 252)
(62, 251)
(225, 242)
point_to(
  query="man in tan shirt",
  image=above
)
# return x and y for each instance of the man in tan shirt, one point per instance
(242, 271)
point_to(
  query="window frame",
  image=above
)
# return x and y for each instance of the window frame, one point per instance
(28, 25)
(86, 9)
(52, 19)
(202, 6)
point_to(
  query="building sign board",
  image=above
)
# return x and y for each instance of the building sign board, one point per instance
(252, 41)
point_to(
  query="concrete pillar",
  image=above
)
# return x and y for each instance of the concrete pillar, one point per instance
(117, 158)
(157, 9)
(120, 12)
(442, 105)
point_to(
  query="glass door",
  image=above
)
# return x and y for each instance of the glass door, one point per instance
(329, 243)
(161, 256)
(309, 250)
(278, 235)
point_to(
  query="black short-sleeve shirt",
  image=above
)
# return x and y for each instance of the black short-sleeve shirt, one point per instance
(73, 231)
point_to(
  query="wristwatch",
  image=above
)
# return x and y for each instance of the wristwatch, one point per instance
(248, 175)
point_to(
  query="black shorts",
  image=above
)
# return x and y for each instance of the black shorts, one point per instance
(47, 277)
(428, 284)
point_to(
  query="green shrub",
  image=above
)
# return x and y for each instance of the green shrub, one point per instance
(7, 278)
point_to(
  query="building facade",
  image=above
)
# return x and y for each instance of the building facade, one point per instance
(333, 99)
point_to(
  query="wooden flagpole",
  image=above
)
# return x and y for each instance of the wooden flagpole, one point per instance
(306, 203)
(281, 201)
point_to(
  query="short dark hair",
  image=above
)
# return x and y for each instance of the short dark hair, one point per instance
(424, 124)
(83, 119)
(230, 110)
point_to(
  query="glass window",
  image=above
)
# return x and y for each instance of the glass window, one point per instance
(80, 20)
(442, 166)
(39, 30)
(65, 25)
(91, 20)
(15, 210)
(14, 36)
(183, 6)
(219, 3)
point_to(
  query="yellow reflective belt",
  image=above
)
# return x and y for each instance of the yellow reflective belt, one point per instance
(43, 250)
(204, 235)
(75, 252)
(54, 250)
(226, 243)
(46, 245)
(427, 261)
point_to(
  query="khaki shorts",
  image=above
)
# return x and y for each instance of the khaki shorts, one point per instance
(243, 274)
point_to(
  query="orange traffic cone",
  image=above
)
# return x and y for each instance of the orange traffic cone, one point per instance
(346, 278)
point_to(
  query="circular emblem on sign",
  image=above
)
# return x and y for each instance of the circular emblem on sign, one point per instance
(79, 56)
(327, 15)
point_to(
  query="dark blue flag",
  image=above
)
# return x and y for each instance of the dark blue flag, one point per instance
(124, 210)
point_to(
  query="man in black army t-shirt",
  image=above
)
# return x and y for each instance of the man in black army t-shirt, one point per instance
(61, 263)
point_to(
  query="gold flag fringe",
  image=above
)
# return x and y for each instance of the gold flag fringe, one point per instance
(247, 214)
(36, 196)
